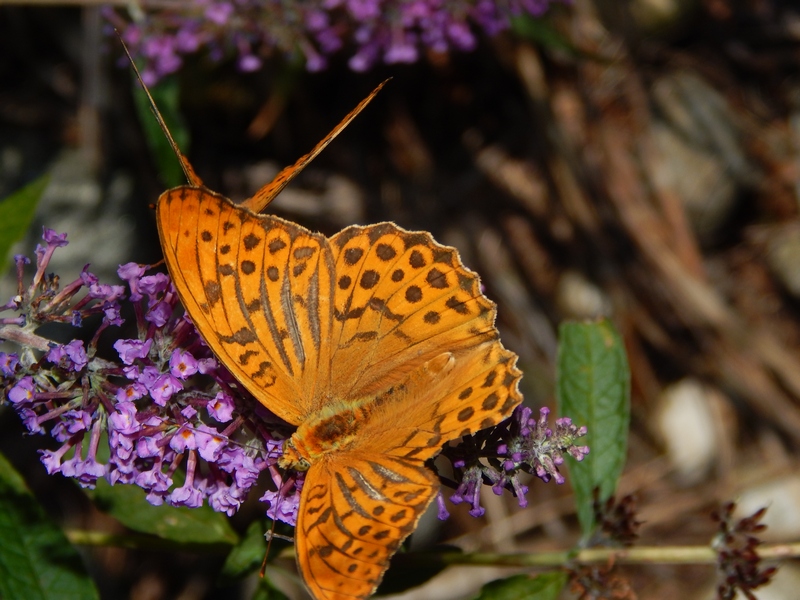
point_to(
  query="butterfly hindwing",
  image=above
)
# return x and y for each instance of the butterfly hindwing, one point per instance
(354, 513)
(451, 395)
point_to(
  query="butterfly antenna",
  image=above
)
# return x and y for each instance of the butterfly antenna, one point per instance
(191, 176)
(266, 194)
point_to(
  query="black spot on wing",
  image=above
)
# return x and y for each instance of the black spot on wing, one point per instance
(436, 279)
(413, 294)
(241, 337)
(416, 260)
(385, 252)
(352, 256)
(248, 267)
(276, 245)
(369, 279)
(465, 414)
(213, 292)
(251, 241)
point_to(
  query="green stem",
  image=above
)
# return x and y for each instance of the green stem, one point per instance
(639, 555)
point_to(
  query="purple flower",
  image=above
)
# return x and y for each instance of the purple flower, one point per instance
(469, 490)
(130, 392)
(88, 471)
(22, 392)
(188, 494)
(72, 422)
(149, 446)
(130, 350)
(156, 482)
(442, 513)
(248, 63)
(361, 10)
(219, 12)
(159, 314)
(8, 364)
(148, 377)
(182, 364)
(54, 239)
(189, 412)
(132, 273)
(164, 387)
(30, 419)
(183, 439)
(538, 449)
(207, 366)
(124, 421)
(221, 407)
(188, 40)
(225, 498)
(160, 49)
(154, 285)
(71, 356)
(402, 50)
(245, 468)
(391, 30)
(111, 314)
(285, 502)
(209, 443)
(52, 460)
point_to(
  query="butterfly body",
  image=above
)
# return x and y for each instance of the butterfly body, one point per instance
(333, 429)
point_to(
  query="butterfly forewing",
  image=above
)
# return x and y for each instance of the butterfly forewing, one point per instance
(355, 511)
(257, 287)
(400, 299)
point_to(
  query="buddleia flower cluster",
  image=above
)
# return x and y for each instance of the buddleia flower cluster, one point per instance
(161, 413)
(502, 455)
(392, 31)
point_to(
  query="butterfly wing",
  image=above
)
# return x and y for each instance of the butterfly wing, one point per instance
(451, 395)
(399, 300)
(355, 511)
(257, 288)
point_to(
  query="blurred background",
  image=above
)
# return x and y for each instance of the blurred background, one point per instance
(634, 159)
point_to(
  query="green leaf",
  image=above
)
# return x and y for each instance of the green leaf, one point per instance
(546, 586)
(36, 560)
(166, 96)
(593, 387)
(267, 591)
(128, 505)
(16, 215)
(247, 556)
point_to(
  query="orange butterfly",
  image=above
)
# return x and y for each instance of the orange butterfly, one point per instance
(377, 343)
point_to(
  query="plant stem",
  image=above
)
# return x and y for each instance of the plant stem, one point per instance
(638, 555)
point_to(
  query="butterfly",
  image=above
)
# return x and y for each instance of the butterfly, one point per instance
(377, 343)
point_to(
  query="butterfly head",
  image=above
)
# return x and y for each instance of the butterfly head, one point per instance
(291, 457)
